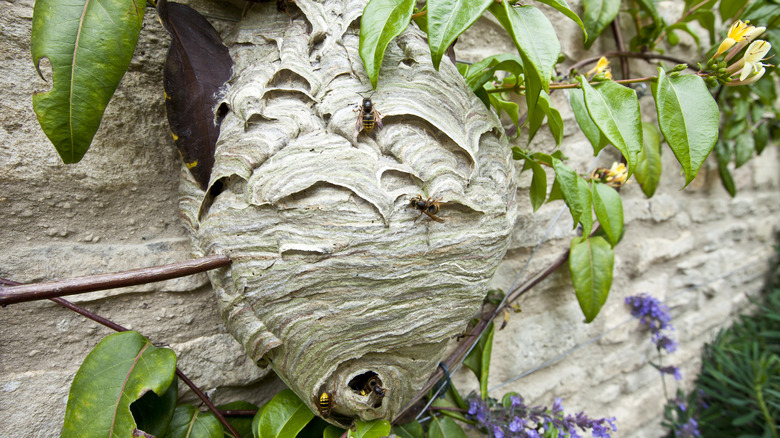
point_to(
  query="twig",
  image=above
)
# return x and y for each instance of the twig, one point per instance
(629, 54)
(561, 86)
(114, 326)
(42, 291)
(621, 46)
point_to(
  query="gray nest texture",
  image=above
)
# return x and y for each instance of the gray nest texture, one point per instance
(335, 278)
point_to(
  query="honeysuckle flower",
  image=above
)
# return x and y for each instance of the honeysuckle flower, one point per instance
(615, 176)
(601, 67)
(750, 67)
(740, 33)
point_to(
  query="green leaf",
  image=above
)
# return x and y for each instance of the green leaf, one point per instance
(723, 153)
(590, 263)
(576, 194)
(480, 72)
(118, 371)
(283, 416)
(688, 117)
(761, 137)
(597, 15)
(332, 432)
(538, 181)
(648, 167)
(371, 429)
(510, 108)
(444, 427)
(728, 9)
(706, 19)
(554, 119)
(152, 413)
(189, 422)
(685, 28)
(563, 7)
(89, 45)
(314, 429)
(743, 149)
(615, 110)
(447, 19)
(537, 42)
(649, 7)
(382, 21)
(589, 128)
(241, 423)
(409, 430)
(478, 360)
(609, 210)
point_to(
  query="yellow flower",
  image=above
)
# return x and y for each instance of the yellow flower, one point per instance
(601, 66)
(740, 34)
(615, 176)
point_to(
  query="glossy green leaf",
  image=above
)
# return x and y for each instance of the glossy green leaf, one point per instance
(649, 7)
(89, 45)
(648, 167)
(480, 72)
(590, 262)
(283, 416)
(685, 28)
(761, 137)
(576, 194)
(589, 128)
(743, 149)
(723, 153)
(688, 117)
(609, 210)
(538, 191)
(447, 19)
(241, 423)
(118, 371)
(597, 15)
(509, 107)
(332, 432)
(444, 427)
(314, 429)
(537, 42)
(409, 430)
(544, 110)
(370, 429)
(382, 21)
(189, 422)
(478, 360)
(706, 19)
(563, 7)
(729, 8)
(615, 110)
(152, 413)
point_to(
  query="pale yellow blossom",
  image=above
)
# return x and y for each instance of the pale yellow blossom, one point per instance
(738, 36)
(601, 67)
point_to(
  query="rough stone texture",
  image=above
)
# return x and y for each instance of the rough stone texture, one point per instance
(117, 209)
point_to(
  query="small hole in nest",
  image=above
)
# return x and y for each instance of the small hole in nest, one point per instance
(222, 111)
(369, 384)
(408, 62)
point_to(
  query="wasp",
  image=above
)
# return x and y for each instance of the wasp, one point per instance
(427, 206)
(324, 404)
(369, 116)
(373, 386)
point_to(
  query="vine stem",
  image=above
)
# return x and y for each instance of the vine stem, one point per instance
(561, 86)
(629, 54)
(114, 326)
(42, 291)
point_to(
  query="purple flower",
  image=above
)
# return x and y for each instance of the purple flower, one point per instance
(689, 429)
(497, 432)
(675, 371)
(516, 400)
(532, 433)
(516, 425)
(664, 342)
(473, 407)
(557, 406)
(650, 312)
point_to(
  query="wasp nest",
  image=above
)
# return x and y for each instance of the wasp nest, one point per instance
(337, 281)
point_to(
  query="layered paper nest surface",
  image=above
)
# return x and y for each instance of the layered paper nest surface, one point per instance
(335, 278)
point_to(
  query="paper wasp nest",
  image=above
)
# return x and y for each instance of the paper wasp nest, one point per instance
(332, 281)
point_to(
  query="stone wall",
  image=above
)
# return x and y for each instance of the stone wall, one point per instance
(698, 249)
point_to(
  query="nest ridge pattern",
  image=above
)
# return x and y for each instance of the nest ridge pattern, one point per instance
(334, 276)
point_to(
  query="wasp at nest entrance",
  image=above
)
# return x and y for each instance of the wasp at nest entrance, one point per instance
(369, 385)
(428, 206)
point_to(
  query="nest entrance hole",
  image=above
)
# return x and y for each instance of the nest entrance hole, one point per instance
(366, 384)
